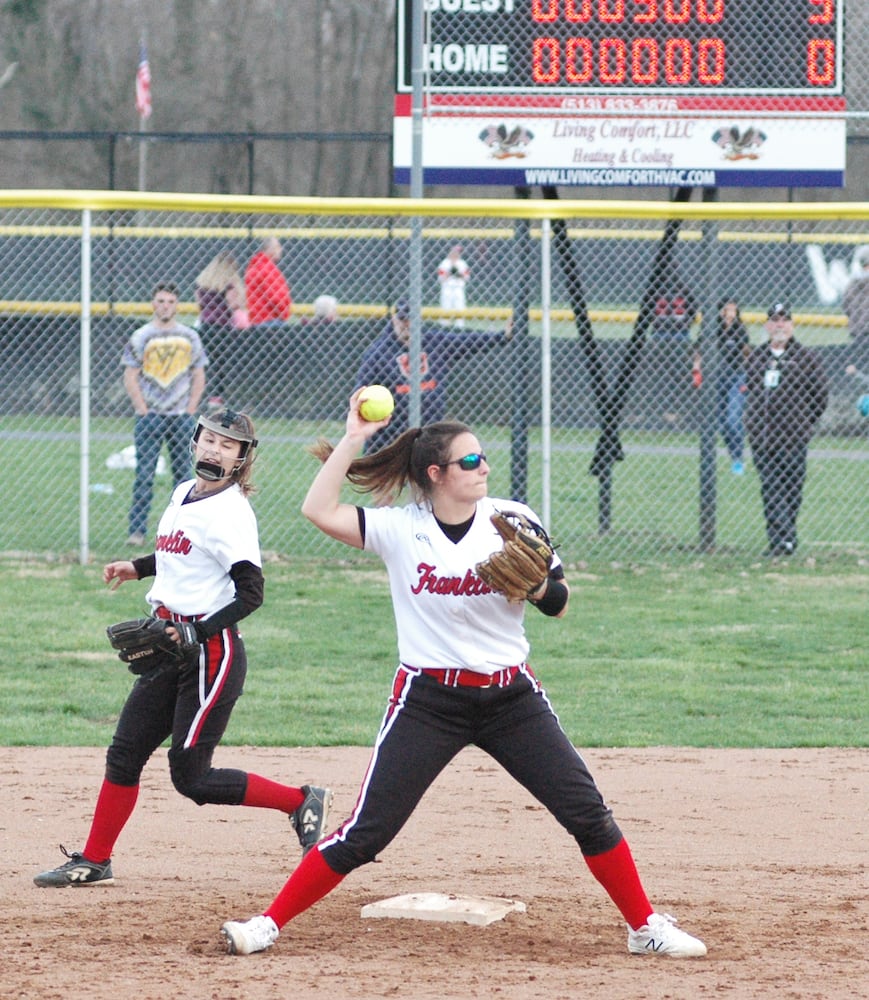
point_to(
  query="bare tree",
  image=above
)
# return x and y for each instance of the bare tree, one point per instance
(234, 66)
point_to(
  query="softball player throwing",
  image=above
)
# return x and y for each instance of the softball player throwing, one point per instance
(463, 677)
(207, 571)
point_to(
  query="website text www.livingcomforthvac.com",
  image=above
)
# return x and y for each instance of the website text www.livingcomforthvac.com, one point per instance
(575, 176)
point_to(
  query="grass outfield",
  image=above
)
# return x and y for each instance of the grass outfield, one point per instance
(767, 655)
(655, 504)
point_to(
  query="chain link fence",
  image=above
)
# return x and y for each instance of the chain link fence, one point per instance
(578, 339)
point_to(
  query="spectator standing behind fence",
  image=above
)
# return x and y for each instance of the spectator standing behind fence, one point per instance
(164, 375)
(862, 377)
(733, 346)
(268, 295)
(325, 311)
(387, 362)
(675, 313)
(453, 275)
(855, 304)
(222, 302)
(786, 393)
(855, 300)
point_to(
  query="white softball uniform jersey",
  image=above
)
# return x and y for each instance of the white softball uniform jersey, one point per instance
(445, 615)
(197, 543)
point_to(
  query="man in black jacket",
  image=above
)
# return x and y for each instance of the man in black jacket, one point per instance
(786, 393)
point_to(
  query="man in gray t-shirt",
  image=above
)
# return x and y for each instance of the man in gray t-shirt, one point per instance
(164, 375)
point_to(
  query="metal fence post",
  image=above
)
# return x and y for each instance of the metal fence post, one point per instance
(519, 353)
(708, 498)
(85, 388)
(546, 371)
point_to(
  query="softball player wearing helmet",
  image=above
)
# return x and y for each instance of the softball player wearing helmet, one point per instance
(463, 677)
(207, 570)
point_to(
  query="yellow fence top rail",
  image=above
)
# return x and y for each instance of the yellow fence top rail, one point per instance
(107, 201)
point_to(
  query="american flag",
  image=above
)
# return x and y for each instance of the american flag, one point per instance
(143, 84)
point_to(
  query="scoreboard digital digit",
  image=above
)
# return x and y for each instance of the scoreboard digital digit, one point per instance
(790, 48)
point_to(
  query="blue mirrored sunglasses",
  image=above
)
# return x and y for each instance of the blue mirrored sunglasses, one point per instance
(468, 462)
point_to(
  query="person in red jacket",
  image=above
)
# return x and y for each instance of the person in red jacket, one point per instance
(268, 294)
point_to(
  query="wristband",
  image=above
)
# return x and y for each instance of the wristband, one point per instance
(554, 598)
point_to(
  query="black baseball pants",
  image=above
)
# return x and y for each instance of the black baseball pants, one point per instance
(426, 724)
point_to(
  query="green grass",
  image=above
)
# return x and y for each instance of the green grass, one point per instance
(654, 493)
(679, 654)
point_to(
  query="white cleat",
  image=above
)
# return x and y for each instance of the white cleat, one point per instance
(661, 936)
(244, 937)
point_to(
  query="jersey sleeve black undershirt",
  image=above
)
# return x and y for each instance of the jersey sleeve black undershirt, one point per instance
(146, 565)
(249, 588)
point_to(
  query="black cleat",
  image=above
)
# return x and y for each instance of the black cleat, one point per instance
(77, 871)
(309, 820)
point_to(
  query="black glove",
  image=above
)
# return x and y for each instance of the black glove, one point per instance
(144, 643)
(188, 637)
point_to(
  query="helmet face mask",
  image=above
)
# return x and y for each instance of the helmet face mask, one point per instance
(229, 424)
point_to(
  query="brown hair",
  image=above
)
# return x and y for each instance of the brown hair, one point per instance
(386, 472)
(242, 475)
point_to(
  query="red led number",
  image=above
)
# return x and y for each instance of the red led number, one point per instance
(826, 12)
(821, 62)
(644, 60)
(640, 11)
(684, 60)
(711, 59)
(677, 60)
(544, 11)
(580, 60)
(650, 15)
(677, 11)
(611, 11)
(710, 11)
(577, 11)
(545, 65)
(638, 62)
(613, 60)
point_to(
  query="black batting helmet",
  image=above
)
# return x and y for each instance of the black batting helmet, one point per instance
(231, 424)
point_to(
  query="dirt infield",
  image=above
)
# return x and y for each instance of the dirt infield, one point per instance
(762, 853)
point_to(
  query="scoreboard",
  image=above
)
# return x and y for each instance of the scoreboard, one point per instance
(610, 93)
(715, 47)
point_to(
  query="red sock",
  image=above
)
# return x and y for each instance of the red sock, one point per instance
(114, 807)
(266, 794)
(617, 873)
(311, 881)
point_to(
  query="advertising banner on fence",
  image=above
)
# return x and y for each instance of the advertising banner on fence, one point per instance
(744, 145)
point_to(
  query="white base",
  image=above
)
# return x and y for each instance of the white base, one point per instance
(440, 906)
